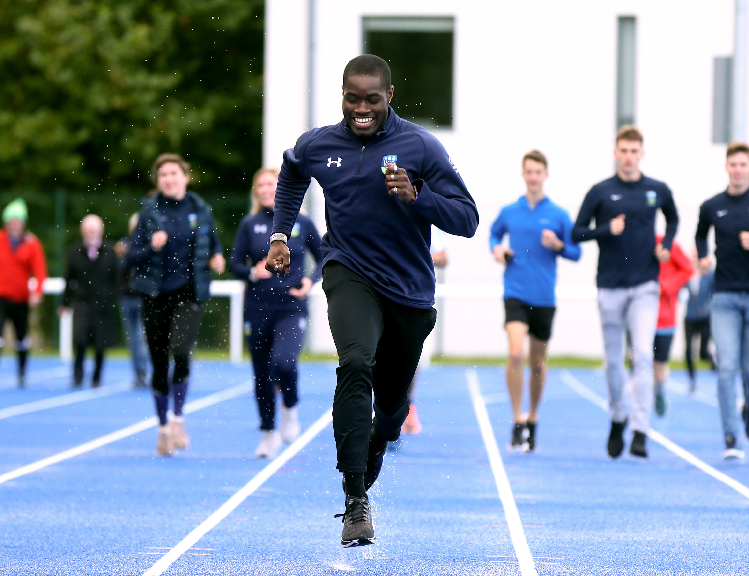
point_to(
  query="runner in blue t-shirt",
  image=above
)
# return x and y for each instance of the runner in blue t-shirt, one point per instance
(539, 231)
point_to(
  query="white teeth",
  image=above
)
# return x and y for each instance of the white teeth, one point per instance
(363, 120)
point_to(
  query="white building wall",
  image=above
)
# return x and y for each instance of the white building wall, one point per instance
(527, 75)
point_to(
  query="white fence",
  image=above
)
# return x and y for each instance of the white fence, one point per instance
(232, 289)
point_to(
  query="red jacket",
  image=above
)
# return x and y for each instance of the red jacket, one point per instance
(19, 265)
(673, 276)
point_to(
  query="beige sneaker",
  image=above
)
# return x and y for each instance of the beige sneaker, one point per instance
(164, 445)
(269, 445)
(290, 427)
(180, 439)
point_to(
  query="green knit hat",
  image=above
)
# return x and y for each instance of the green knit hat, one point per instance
(16, 209)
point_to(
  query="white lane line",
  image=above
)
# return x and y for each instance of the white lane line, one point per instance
(231, 504)
(577, 386)
(517, 535)
(124, 433)
(698, 395)
(64, 400)
(37, 376)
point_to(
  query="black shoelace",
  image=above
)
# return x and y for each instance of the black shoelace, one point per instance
(356, 511)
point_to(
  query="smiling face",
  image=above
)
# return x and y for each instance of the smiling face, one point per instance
(265, 190)
(172, 180)
(365, 104)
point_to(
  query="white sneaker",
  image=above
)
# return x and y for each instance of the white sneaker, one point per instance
(164, 444)
(733, 454)
(269, 445)
(180, 438)
(290, 427)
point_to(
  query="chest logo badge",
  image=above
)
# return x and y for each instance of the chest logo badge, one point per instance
(336, 162)
(651, 197)
(389, 159)
(615, 197)
(721, 213)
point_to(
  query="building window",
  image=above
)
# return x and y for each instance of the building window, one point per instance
(420, 54)
(626, 70)
(722, 99)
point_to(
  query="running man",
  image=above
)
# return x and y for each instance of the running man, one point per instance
(728, 213)
(21, 258)
(539, 231)
(386, 181)
(624, 208)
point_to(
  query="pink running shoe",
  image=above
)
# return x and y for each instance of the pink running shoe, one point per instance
(412, 424)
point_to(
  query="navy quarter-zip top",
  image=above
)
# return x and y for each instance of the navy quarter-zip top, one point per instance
(369, 231)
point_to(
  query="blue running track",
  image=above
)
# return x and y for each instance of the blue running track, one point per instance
(82, 492)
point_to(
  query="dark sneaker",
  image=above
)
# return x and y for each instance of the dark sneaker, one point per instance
(530, 445)
(732, 451)
(637, 448)
(517, 441)
(358, 529)
(374, 465)
(616, 439)
(660, 401)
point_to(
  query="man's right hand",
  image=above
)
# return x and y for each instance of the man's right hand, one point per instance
(158, 239)
(705, 265)
(502, 254)
(279, 258)
(616, 225)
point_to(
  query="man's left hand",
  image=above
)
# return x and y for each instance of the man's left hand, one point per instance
(550, 240)
(661, 254)
(217, 263)
(304, 290)
(398, 183)
(744, 237)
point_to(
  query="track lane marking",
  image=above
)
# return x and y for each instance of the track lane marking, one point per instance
(151, 422)
(64, 399)
(669, 445)
(517, 535)
(35, 377)
(240, 496)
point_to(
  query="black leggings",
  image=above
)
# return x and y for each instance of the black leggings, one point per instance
(275, 341)
(699, 328)
(171, 322)
(18, 313)
(379, 343)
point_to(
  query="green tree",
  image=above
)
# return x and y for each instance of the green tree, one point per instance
(91, 91)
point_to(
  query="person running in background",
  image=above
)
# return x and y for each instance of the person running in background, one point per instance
(21, 258)
(131, 310)
(539, 232)
(386, 181)
(412, 425)
(728, 213)
(624, 208)
(275, 310)
(174, 249)
(697, 320)
(90, 289)
(674, 274)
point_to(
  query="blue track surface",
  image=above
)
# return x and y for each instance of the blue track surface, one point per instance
(118, 509)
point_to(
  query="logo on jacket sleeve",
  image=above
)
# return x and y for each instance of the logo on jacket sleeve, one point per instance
(336, 162)
(389, 159)
(651, 197)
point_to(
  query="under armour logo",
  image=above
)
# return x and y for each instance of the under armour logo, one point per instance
(721, 213)
(336, 162)
(616, 197)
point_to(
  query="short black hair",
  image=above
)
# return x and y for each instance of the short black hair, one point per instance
(368, 65)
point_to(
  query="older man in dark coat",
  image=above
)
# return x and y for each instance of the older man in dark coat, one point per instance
(90, 290)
